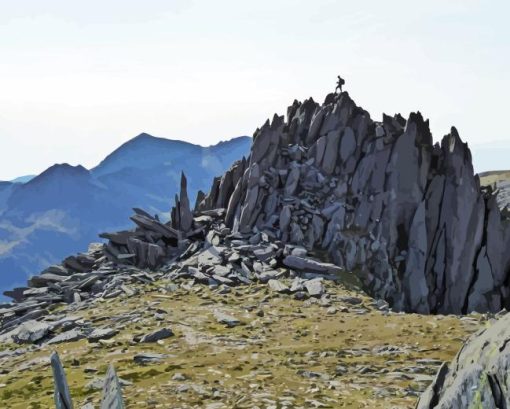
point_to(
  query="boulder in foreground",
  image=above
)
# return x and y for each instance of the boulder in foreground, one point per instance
(479, 375)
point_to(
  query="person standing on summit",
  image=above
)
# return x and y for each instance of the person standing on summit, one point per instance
(339, 84)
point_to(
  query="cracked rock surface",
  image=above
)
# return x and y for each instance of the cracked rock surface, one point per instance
(380, 198)
(478, 377)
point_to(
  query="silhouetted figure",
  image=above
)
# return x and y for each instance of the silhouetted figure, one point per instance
(339, 83)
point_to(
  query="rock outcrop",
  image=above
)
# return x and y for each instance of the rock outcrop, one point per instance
(381, 199)
(478, 377)
(326, 190)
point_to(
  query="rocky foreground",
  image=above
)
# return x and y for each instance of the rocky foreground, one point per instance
(180, 344)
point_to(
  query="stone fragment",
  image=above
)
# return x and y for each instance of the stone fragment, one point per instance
(285, 216)
(264, 253)
(45, 279)
(62, 396)
(226, 319)
(112, 391)
(277, 286)
(211, 256)
(267, 275)
(297, 285)
(31, 331)
(157, 335)
(303, 263)
(296, 233)
(347, 299)
(68, 336)
(314, 287)
(149, 358)
(102, 333)
(35, 291)
(155, 226)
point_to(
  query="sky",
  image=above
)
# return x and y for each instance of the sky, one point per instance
(77, 79)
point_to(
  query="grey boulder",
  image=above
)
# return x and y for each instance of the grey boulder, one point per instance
(31, 331)
(149, 358)
(315, 287)
(226, 319)
(277, 286)
(102, 333)
(478, 376)
(158, 335)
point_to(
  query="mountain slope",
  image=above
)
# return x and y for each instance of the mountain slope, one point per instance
(243, 291)
(23, 179)
(5, 193)
(144, 152)
(64, 208)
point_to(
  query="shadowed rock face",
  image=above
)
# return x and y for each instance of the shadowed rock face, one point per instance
(380, 198)
(478, 376)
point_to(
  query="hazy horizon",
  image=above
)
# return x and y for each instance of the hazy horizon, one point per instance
(21, 178)
(78, 80)
(485, 157)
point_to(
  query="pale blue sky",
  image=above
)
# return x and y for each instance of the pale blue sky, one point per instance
(79, 78)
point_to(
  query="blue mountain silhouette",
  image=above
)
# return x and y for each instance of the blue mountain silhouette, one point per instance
(62, 210)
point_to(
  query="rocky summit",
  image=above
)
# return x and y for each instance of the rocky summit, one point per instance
(379, 199)
(286, 285)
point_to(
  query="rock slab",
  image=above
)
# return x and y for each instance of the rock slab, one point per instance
(62, 395)
(479, 375)
(112, 391)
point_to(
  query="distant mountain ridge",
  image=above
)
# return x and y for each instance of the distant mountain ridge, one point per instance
(23, 179)
(60, 211)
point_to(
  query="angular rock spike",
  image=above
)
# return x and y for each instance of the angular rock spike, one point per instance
(112, 391)
(62, 395)
(175, 214)
(198, 202)
(186, 216)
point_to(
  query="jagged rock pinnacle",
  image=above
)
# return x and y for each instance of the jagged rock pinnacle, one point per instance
(381, 198)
